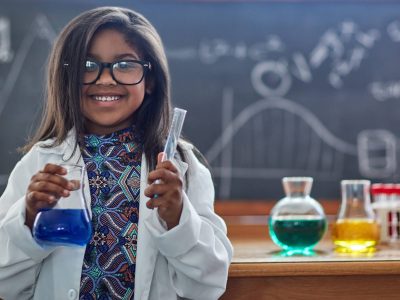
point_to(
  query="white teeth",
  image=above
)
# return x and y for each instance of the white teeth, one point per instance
(106, 98)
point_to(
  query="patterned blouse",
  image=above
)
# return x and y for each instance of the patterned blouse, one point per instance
(113, 165)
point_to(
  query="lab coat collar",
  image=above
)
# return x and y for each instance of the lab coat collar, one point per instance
(66, 148)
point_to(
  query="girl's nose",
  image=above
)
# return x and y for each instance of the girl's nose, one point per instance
(106, 78)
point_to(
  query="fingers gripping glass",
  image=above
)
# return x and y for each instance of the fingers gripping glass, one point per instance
(128, 72)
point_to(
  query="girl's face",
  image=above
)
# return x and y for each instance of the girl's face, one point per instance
(107, 105)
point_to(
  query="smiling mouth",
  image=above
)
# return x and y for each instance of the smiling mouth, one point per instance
(105, 98)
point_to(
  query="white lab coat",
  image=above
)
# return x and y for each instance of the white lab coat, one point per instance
(190, 261)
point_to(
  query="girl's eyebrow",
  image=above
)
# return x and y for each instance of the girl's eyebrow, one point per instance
(126, 55)
(119, 56)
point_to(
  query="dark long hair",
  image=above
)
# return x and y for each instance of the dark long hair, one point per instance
(62, 110)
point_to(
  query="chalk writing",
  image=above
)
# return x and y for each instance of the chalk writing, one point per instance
(344, 47)
(393, 30)
(6, 53)
(383, 91)
(377, 153)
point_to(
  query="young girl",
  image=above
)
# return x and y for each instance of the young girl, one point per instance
(108, 108)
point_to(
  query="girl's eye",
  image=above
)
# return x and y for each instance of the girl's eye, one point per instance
(91, 66)
(125, 65)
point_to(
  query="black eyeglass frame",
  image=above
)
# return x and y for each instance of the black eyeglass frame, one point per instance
(103, 65)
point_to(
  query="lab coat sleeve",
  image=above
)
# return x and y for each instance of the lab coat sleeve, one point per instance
(197, 250)
(20, 255)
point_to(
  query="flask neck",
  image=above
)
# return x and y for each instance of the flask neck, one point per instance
(356, 201)
(295, 194)
(296, 187)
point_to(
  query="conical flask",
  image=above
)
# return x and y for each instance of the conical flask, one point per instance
(68, 222)
(297, 222)
(356, 229)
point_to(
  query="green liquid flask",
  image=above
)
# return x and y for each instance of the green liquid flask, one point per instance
(297, 222)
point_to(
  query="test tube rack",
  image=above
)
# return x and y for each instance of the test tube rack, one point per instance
(386, 203)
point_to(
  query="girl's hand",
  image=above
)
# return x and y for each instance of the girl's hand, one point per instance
(168, 191)
(45, 188)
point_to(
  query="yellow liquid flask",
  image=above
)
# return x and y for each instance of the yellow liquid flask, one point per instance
(356, 229)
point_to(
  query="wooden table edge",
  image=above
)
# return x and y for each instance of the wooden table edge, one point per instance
(325, 268)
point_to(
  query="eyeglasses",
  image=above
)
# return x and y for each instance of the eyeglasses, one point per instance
(128, 72)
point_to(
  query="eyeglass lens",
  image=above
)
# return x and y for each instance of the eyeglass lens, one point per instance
(124, 72)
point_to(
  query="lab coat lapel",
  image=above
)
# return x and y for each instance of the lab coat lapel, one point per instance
(146, 253)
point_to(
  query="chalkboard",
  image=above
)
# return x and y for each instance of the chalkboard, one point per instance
(272, 89)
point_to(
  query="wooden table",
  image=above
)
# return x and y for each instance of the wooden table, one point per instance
(259, 271)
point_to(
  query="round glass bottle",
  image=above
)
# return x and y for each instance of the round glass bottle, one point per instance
(297, 222)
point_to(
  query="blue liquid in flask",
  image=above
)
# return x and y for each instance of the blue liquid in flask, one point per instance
(62, 227)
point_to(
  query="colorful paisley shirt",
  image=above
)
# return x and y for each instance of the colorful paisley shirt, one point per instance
(113, 165)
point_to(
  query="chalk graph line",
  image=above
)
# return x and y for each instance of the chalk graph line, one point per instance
(375, 148)
(284, 104)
